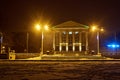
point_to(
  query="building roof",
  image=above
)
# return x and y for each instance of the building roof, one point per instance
(71, 24)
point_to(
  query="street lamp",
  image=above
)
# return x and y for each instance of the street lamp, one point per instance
(95, 28)
(38, 27)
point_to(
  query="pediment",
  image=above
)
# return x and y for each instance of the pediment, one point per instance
(71, 24)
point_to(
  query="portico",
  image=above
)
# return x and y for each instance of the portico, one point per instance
(70, 36)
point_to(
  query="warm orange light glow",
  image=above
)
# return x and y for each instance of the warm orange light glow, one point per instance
(46, 27)
(37, 27)
(102, 29)
(94, 28)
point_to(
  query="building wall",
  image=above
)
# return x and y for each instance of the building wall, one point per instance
(48, 41)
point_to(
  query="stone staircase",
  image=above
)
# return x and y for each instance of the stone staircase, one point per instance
(71, 57)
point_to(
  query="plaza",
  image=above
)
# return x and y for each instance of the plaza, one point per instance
(62, 70)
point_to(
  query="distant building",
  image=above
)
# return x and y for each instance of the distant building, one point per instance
(67, 37)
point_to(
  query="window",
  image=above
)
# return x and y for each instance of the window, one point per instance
(63, 37)
(76, 32)
(70, 32)
(57, 38)
(76, 37)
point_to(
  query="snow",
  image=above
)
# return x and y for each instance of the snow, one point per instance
(57, 70)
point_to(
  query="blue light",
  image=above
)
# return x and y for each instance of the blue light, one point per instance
(109, 45)
(117, 45)
(113, 46)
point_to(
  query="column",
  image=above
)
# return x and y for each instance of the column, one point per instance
(60, 46)
(67, 41)
(73, 41)
(54, 41)
(80, 44)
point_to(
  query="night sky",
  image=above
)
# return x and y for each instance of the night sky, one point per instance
(19, 15)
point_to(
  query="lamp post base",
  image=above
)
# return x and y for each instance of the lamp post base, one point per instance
(41, 54)
(98, 54)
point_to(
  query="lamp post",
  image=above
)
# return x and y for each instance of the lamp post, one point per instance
(98, 43)
(1, 41)
(27, 44)
(42, 43)
(38, 27)
(94, 28)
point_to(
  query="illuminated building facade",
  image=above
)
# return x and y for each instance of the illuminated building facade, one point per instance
(70, 37)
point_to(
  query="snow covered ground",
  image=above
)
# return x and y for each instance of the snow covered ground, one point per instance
(59, 70)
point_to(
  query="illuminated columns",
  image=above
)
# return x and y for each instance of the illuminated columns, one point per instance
(66, 41)
(54, 41)
(80, 45)
(73, 36)
(60, 46)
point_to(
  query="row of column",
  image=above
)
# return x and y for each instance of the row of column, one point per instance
(73, 41)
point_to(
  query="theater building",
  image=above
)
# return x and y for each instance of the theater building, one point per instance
(69, 37)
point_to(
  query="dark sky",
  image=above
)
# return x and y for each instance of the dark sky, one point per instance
(23, 14)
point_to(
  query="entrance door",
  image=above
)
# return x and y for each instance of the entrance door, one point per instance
(70, 48)
(76, 48)
(63, 48)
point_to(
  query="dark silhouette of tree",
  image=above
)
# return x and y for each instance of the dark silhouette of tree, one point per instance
(19, 41)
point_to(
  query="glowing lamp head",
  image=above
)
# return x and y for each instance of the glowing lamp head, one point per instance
(46, 27)
(3, 47)
(94, 28)
(37, 27)
(102, 29)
